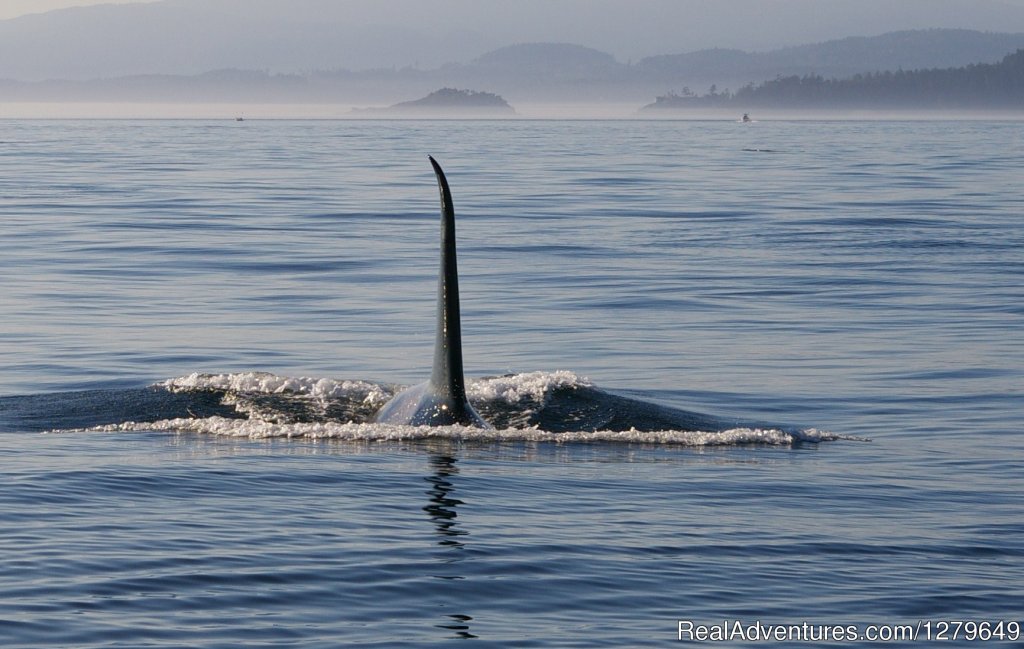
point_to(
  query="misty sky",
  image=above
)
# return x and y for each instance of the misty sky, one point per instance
(295, 36)
(14, 8)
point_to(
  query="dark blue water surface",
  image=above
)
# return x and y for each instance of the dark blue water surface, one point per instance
(769, 373)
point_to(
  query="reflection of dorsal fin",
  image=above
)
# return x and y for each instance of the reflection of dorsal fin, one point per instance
(447, 376)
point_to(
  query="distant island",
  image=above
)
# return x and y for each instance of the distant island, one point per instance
(980, 85)
(449, 101)
(923, 69)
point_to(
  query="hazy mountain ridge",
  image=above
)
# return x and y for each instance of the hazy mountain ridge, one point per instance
(187, 37)
(562, 59)
(903, 50)
(538, 72)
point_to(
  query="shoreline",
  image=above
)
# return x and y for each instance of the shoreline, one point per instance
(524, 112)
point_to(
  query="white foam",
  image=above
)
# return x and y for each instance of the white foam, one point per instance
(253, 429)
(266, 383)
(509, 388)
(515, 388)
(535, 387)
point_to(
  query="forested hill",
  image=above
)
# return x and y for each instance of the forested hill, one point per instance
(907, 50)
(978, 86)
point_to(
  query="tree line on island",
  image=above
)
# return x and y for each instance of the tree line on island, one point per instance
(455, 99)
(981, 85)
(447, 101)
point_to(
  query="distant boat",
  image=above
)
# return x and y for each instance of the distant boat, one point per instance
(746, 118)
(239, 119)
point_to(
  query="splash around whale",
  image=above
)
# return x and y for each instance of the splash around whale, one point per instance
(558, 407)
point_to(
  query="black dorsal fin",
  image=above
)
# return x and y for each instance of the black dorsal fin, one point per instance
(441, 401)
(446, 376)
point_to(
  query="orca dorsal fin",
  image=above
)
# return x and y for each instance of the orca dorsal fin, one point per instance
(441, 401)
(446, 377)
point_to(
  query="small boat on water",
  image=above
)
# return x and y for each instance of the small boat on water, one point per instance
(746, 118)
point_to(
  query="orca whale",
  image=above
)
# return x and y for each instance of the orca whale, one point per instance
(441, 401)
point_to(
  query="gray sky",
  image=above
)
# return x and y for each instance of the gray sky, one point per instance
(196, 36)
(14, 8)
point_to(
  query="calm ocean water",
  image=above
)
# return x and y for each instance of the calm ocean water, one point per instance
(783, 363)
